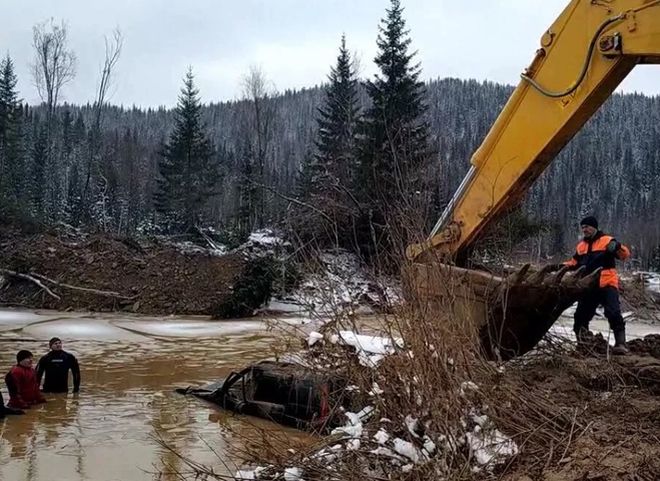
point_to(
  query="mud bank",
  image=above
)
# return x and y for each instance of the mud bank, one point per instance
(147, 277)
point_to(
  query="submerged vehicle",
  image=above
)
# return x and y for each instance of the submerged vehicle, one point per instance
(286, 393)
(586, 53)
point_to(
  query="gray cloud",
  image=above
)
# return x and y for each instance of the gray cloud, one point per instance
(295, 41)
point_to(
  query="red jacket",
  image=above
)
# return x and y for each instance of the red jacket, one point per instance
(23, 388)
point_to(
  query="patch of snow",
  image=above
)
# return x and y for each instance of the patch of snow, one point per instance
(370, 344)
(348, 431)
(245, 475)
(353, 445)
(381, 437)
(412, 424)
(429, 445)
(265, 237)
(407, 449)
(313, 338)
(249, 475)
(284, 307)
(341, 282)
(365, 413)
(468, 386)
(293, 474)
(488, 445)
(375, 390)
(187, 247)
(371, 350)
(354, 428)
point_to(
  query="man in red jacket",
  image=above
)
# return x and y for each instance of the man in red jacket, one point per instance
(22, 384)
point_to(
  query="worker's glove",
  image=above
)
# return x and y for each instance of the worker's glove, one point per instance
(614, 246)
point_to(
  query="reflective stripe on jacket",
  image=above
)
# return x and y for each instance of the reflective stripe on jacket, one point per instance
(592, 253)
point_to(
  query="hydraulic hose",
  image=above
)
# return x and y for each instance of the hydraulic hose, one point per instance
(585, 66)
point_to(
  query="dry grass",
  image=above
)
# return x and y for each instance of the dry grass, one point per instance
(568, 415)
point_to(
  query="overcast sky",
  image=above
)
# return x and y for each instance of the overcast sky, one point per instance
(293, 41)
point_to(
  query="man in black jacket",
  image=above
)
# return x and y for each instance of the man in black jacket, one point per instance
(55, 365)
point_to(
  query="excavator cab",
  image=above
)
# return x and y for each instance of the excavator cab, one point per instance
(584, 56)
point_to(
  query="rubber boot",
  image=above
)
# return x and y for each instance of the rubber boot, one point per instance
(620, 347)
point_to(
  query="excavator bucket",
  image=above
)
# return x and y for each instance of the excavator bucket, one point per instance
(511, 314)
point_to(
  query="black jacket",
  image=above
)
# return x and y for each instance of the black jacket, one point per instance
(55, 365)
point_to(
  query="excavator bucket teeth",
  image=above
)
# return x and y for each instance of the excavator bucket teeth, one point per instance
(511, 314)
(556, 278)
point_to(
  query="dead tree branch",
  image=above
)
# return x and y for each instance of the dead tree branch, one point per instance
(293, 200)
(29, 278)
(97, 292)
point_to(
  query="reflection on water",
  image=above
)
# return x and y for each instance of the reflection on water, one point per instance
(129, 369)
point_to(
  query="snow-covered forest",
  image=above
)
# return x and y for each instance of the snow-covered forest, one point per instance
(99, 166)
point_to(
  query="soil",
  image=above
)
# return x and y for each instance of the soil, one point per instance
(615, 405)
(157, 278)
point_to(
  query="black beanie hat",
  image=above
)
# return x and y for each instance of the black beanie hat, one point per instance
(53, 341)
(590, 220)
(23, 354)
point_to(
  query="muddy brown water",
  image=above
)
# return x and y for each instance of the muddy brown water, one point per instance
(129, 367)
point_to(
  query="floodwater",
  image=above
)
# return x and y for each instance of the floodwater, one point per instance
(110, 431)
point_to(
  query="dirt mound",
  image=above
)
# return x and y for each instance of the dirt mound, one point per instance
(149, 278)
(612, 410)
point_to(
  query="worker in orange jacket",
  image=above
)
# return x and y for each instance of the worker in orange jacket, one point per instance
(599, 250)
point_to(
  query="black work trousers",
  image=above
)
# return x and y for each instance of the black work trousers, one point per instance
(608, 297)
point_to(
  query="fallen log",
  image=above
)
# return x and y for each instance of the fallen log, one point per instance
(97, 292)
(29, 278)
(38, 278)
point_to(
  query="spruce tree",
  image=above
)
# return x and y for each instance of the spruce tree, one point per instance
(246, 215)
(39, 161)
(188, 168)
(10, 132)
(395, 147)
(337, 119)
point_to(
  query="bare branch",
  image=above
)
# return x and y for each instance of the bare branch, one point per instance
(26, 277)
(293, 200)
(54, 64)
(113, 48)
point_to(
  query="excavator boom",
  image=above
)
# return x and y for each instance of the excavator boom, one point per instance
(586, 53)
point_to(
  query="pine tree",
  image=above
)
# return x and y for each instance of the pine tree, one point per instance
(337, 120)
(246, 216)
(395, 150)
(39, 161)
(10, 132)
(188, 168)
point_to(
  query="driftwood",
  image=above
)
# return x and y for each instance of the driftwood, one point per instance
(38, 278)
(84, 289)
(208, 240)
(29, 278)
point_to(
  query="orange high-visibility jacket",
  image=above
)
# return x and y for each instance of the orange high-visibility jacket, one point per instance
(592, 253)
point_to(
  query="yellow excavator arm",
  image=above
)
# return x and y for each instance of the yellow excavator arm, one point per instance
(584, 56)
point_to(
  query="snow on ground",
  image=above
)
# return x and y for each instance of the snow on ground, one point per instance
(485, 446)
(410, 443)
(187, 247)
(370, 349)
(339, 281)
(266, 237)
(651, 279)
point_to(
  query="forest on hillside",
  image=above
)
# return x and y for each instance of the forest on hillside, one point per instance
(105, 167)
